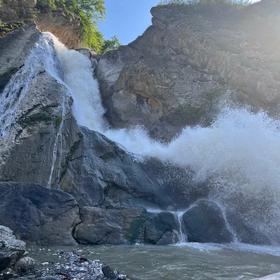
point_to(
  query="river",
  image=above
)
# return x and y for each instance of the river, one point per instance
(188, 261)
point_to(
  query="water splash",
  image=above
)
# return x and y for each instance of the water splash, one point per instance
(239, 154)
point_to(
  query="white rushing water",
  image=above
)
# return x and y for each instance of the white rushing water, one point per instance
(239, 153)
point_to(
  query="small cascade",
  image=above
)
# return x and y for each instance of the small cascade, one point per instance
(15, 96)
(182, 238)
(53, 68)
(57, 150)
(228, 225)
(41, 58)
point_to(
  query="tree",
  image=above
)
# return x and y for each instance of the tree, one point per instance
(93, 8)
(111, 44)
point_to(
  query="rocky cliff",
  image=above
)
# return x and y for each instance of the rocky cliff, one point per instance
(55, 171)
(192, 58)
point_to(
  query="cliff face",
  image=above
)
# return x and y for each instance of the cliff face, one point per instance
(190, 59)
(188, 62)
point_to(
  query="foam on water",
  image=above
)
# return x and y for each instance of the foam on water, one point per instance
(240, 247)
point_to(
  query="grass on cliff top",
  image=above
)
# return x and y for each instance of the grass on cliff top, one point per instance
(88, 12)
(6, 28)
(238, 3)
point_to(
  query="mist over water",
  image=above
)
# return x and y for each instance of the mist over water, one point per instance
(239, 154)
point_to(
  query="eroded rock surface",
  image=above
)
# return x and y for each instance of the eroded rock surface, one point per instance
(188, 61)
(11, 249)
(38, 214)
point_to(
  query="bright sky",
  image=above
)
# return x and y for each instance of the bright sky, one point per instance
(128, 19)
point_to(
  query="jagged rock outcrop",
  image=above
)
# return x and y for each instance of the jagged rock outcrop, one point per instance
(14, 49)
(188, 61)
(11, 249)
(100, 173)
(33, 107)
(37, 214)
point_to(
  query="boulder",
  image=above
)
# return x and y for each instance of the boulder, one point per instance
(161, 229)
(25, 265)
(205, 222)
(110, 226)
(11, 249)
(37, 214)
(126, 226)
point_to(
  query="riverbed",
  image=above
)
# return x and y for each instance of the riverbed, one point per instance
(185, 261)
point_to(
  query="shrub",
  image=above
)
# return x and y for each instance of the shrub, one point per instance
(88, 12)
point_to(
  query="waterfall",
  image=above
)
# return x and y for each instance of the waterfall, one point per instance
(41, 58)
(238, 154)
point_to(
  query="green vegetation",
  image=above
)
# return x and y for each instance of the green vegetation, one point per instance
(6, 28)
(88, 12)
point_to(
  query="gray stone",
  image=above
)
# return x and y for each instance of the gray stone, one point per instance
(110, 226)
(8, 239)
(38, 214)
(11, 249)
(161, 229)
(14, 49)
(25, 265)
(204, 222)
(190, 60)
(100, 173)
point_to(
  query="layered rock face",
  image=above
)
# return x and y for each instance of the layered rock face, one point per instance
(188, 61)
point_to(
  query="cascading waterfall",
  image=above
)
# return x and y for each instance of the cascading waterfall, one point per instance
(41, 58)
(239, 154)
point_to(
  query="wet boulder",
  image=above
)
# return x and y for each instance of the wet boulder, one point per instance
(38, 214)
(161, 229)
(11, 249)
(110, 226)
(205, 222)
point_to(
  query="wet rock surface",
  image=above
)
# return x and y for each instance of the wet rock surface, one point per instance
(11, 249)
(98, 172)
(205, 222)
(70, 265)
(14, 49)
(37, 214)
